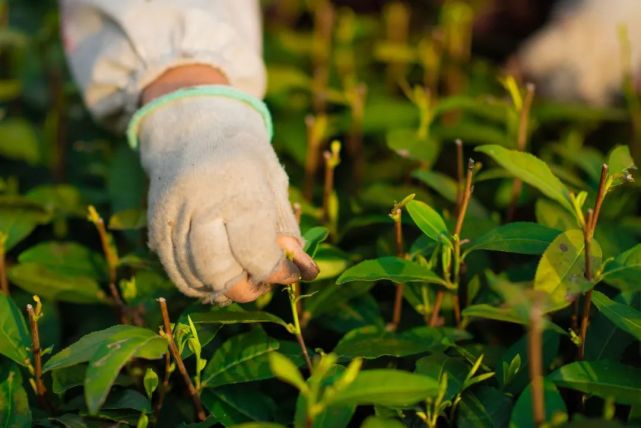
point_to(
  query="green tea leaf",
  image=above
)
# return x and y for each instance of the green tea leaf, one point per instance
(522, 416)
(127, 399)
(387, 387)
(531, 170)
(550, 214)
(370, 342)
(110, 357)
(235, 317)
(429, 221)
(390, 268)
(550, 348)
(506, 314)
(14, 403)
(624, 271)
(380, 422)
(232, 361)
(63, 200)
(620, 162)
(484, 407)
(326, 298)
(84, 349)
(605, 379)
(285, 370)
(233, 404)
(605, 340)
(561, 270)
(313, 238)
(493, 312)
(66, 258)
(331, 261)
(14, 336)
(439, 364)
(408, 144)
(518, 237)
(150, 382)
(67, 378)
(129, 219)
(19, 217)
(50, 284)
(18, 141)
(623, 316)
(333, 416)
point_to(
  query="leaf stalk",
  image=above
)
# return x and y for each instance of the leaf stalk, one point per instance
(193, 393)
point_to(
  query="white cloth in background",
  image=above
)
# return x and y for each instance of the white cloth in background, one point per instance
(117, 47)
(578, 55)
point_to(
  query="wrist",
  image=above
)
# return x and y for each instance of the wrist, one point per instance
(182, 77)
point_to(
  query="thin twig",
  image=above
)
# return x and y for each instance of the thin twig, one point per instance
(589, 228)
(328, 186)
(322, 41)
(460, 218)
(438, 301)
(355, 139)
(521, 144)
(456, 306)
(36, 350)
(524, 117)
(297, 329)
(164, 387)
(332, 159)
(535, 365)
(112, 263)
(467, 194)
(314, 140)
(200, 412)
(400, 252)
(587, 300)
(460, 175)
(600, 196)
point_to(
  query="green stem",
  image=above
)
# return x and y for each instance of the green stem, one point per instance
(173, 348)
(293, 300)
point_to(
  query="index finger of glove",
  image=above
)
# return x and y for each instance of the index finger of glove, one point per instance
(294, 250)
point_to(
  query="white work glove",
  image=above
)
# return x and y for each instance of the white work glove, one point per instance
(578, 55)
(218, 200)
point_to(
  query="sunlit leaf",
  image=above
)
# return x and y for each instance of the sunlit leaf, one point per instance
(519, 237)
(531, 170)
(561, 270)
(429, 221)
(387, 387)
(390, 268)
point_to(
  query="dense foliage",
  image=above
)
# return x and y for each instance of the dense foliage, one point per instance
(494, 292)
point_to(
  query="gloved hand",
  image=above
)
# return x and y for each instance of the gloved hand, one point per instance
(219, 215)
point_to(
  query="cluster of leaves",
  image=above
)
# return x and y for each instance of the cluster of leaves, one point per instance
(516, 303)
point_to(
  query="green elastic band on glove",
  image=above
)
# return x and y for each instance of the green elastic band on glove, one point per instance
(198, 91)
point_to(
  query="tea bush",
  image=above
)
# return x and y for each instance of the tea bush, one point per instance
(479, 246)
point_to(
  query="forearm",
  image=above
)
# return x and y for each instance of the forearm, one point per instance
(118, 49)
(181, 77)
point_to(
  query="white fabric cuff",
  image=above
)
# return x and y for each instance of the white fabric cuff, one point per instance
(117, 47)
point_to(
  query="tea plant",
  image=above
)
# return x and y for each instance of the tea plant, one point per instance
(479, 247)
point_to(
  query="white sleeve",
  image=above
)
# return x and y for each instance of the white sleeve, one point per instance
(117, 47)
